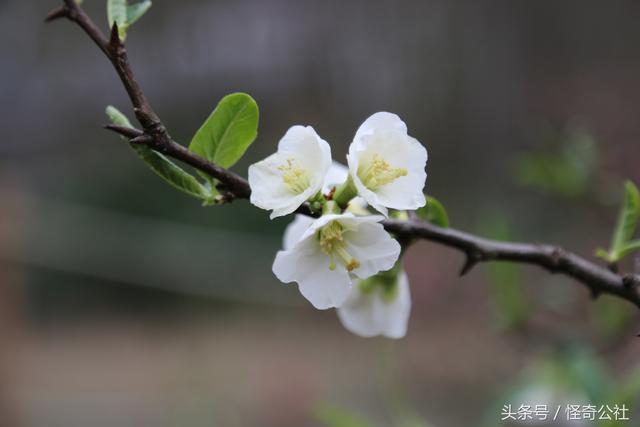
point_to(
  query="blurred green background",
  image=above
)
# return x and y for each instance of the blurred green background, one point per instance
(125, 303)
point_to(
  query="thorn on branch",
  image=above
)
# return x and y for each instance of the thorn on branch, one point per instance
(141, 140)
(57, 13)
(473, 258)
(127, 132)
(595, 293)
(114, 38)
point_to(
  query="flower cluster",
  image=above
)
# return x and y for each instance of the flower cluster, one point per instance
(345, 259)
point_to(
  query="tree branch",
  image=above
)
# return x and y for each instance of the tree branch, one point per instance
(598, 279)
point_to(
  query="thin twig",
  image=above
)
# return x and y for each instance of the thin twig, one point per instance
(598, 279)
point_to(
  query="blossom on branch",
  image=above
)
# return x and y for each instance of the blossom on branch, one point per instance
(291, 176)
(387, 166)
(322, 254)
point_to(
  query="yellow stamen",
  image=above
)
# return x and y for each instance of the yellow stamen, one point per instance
(376, 172)
(294, 177)
(332, 243)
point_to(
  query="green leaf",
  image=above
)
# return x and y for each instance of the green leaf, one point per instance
(629, 248)
(229, 130)
(333, 416)
(117, 118)
(434, 212)
(135, 11)
(627, 221)
(161, 165)
(172, 173)
(117, 13)
(603, 254)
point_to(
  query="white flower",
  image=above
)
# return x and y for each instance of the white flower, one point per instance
(322, 254)
(387, 165)
(374, 309)
(294, 174)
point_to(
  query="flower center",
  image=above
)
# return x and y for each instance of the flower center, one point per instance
(294, 177)
(376, 172)
(332, 243)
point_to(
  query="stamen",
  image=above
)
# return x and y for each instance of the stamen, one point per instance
(377, 172)
(294, 177)
(332, 243)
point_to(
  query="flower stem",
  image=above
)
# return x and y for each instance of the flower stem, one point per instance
(330, 207)
(345, 192)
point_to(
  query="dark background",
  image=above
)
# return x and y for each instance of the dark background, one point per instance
(125, 303)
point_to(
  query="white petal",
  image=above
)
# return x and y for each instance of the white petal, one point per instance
(373, 247)
(312, 152)
(370, 314)
(305, 264)
(295, 230)
(325, 288)
(381, 120)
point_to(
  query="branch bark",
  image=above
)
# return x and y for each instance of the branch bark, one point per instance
(598, 279)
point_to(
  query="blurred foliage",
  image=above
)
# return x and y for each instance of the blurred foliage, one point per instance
(568, 169)
(611, 316)
(336, 416)
(506, 286)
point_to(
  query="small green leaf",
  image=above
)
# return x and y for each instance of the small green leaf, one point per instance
(162, 166)
(135, 11)
(603, 254)
(229, 130)
(434, 212)
(172, 173)
(117, 13)
(117, 118)
(627, 219)
(629, 248)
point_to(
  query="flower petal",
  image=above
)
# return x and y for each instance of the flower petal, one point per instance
(309, 267)
(373, 247)
(369, 314)
(295, 230)
(380, 120)
(326, 288)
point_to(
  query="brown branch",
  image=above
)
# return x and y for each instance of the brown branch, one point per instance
(599, 280)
